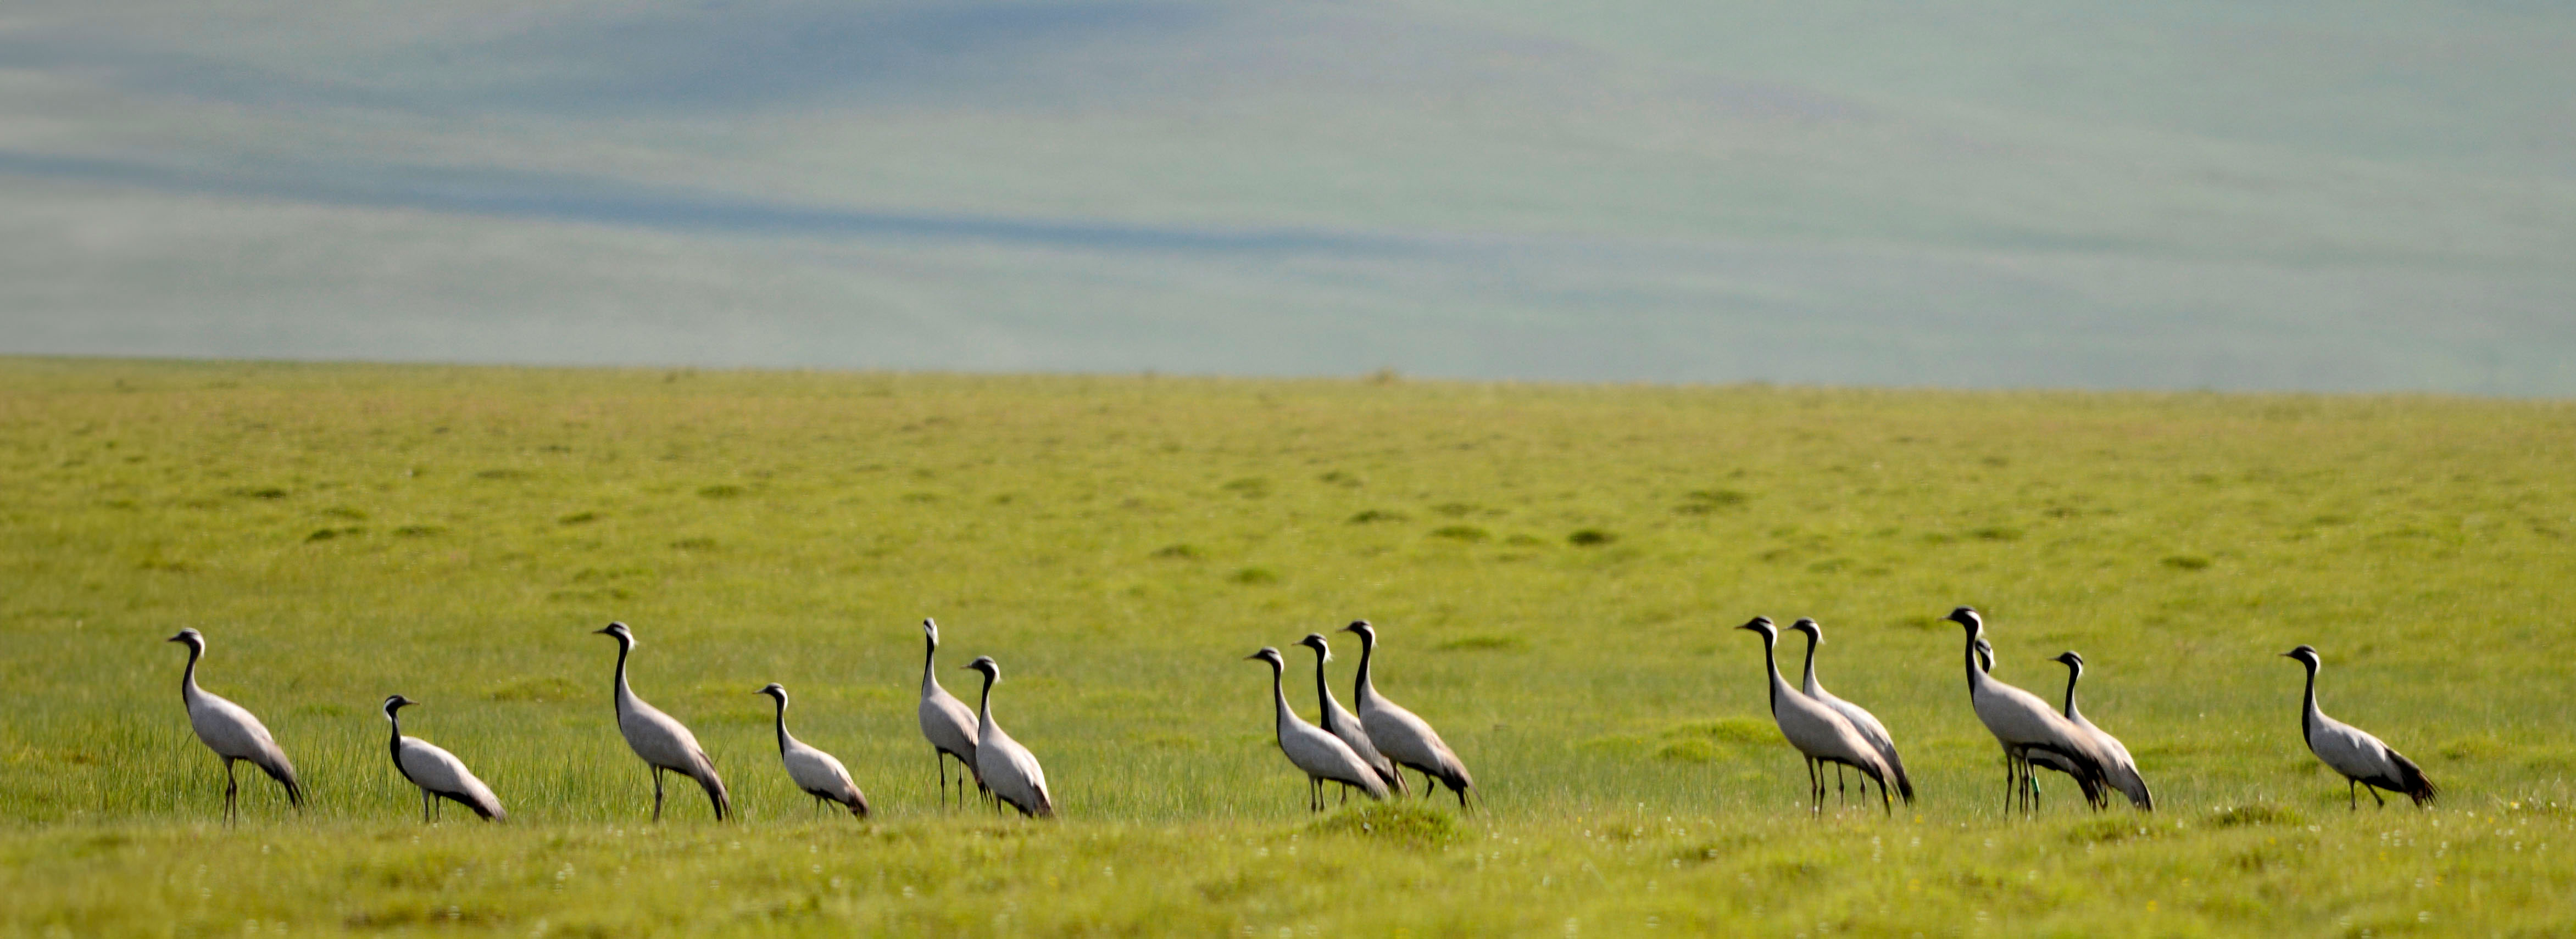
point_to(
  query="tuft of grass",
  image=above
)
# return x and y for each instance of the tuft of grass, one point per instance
(1366, 516)
(2186, 562)
(1589, 537)
(1485, 643)
(1394, 822)
(1461, 533)
(540, 688)
(1179, 552)
(1254, 576)
(2255, 813)
(721, 491)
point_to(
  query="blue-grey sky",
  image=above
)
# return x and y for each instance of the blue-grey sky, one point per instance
(2305, 195)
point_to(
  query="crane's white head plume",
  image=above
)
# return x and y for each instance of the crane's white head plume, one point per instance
(195, 640)
(930, 631)
(984, 663)
(1270, 655)
(1815, 633)
(775, 690)
(1967, 617)
(625, 637)
(2306, 654)
(2070, 659)
(1316, 642)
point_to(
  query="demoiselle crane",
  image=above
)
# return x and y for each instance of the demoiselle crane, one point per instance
(813, 770)
(1820, 734)
(1322, 756)
(2360, 757)
(438, 773)
(1861, 720)
(2025, 725)
(1344, 725)
(2121, 771)
(231, 731)
(662, 742)
(1405, 739)
(946, 722)
(1007, 769)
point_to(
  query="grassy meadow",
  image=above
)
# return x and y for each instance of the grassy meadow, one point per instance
(1554, 571)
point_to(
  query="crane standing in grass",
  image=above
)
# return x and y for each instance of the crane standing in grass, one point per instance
(946, 722)
(1323, 757)
(2038, 758)
(2360, 757)
(2122, 771)
(438, 773)
(1821, 734)
(231, 731)
(1007, 769)
(1346, 727)
(662, 742)
(1861, 720)
(813, 770)
(2025, 725)
(1405, 739)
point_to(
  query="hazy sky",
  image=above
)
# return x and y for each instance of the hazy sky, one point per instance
(2319, 195)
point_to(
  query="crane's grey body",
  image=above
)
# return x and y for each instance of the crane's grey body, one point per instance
(2121, 771)
(1820, 733)
(814, 771)
(659, 739)
(232, 732)
(1322, 756)
(1861, 719)
(1008, 770)
(1344, 725)
(438, 773)
(2040, 758)
(2362, 759)
(2025, 725)
(946, 722)
(1403, 738)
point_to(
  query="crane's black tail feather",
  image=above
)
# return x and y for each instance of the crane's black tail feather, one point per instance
(2412, 781)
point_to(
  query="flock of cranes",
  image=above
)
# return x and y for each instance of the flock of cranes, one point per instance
(1368, 751)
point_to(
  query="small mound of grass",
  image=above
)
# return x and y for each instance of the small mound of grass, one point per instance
(1485, 643)
(1588, 537)
(721, 491)
(1396, 822)
(1376, 515)
(2482, 747)
(1180, 552)
(2106, 830)
(1732, 731)
(1689, 751)
(1461, 533)
(2236, 816)
(1255, 576)
(2186, 562)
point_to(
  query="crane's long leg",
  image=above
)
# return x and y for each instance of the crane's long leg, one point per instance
(2351, 801)
(940, 757)
(1840, 795)
(232, 786)
(657, 793)
(2374, 795)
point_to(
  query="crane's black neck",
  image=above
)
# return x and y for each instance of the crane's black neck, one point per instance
(1278, 686)
(2308, 706)
(1360, 686)
(782, 724)
(929, 656)
(1323, 692)
(393, 715)
(1812, 642)
(1771, 668)
(984, 707)
(2073, 672)
(188, 679)
(621, 693)
(1973, 672)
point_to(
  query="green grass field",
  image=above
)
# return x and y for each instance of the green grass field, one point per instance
(1554, 571)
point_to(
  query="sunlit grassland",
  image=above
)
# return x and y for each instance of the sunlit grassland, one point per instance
(1553, 570)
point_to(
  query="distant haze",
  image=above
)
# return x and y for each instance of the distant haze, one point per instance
(2352, 195)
